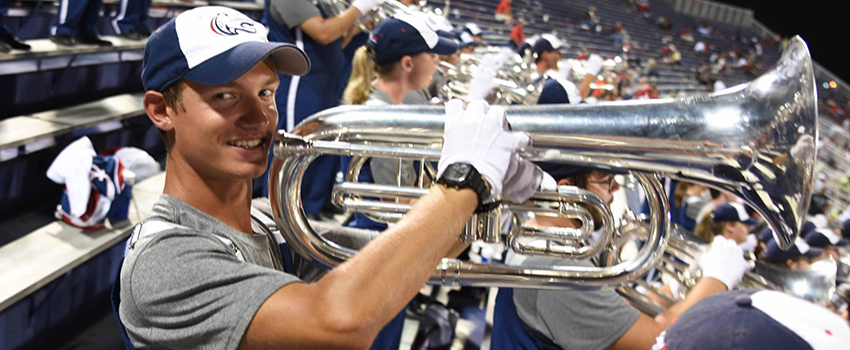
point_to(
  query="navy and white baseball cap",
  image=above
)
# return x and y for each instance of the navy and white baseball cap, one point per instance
(473, 29)
(823, 237)
(404, 35)
(800, 248)
(730, 212)
(213, 45)
(749, 319)
(557, 91)
(466, 40)
(547, 42)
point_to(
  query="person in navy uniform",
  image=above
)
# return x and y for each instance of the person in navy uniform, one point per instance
(76, 23)
(8, 41)
(131, 19)
(322, 37)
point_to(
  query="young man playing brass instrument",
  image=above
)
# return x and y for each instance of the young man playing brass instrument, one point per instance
(210, 76)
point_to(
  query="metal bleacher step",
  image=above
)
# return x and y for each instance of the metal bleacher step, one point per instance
(17, 133)
(43, 255)
(46, 55)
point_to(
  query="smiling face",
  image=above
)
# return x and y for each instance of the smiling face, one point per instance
(225, 132)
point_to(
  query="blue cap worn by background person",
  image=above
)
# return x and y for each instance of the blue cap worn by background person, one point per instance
(749, 319)
(465, 40)
(823, 237)
(547, 42)
(213, 45)
(405, 35)
(730, 212)
(808, 227)
(561, 171)
(558, 91)
(800, 248)
(473, 29)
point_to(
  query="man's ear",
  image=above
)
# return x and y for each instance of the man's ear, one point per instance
(564, 182)
(158, 111)
(406, 63)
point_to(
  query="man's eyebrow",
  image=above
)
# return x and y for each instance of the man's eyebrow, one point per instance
(272, 80)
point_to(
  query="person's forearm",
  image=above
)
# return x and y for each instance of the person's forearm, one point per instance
(383, 277)
(584, 87)
(350, 35)
(326, 31)
(706, 287)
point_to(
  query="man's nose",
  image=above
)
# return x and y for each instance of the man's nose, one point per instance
(257, 114)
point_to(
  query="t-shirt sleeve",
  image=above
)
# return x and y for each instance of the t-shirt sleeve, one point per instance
(576, 319)
(586, 319)
(291, 13)
(187, 291)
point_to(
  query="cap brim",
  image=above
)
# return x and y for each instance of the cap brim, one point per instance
(751, 222)
(469, 43)
(842, 243)
(813, 253)
(233, 63)
(444, 47)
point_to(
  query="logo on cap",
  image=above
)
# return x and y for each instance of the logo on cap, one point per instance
(222, 24)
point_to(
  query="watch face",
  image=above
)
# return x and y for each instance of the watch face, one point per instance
(458, 172)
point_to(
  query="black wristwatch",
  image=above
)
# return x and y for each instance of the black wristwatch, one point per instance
(463, 175)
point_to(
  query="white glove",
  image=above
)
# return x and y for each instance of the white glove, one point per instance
(478, 136)
(366, 5)
(724, 262)
(750, 244)
(522, 180)
(593, 64)
(548, 183)
(482, 83)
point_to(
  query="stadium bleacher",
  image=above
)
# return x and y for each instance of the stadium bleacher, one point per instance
(52, 95)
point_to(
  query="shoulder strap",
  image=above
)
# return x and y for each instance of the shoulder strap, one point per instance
(150, 227)
(267, 223)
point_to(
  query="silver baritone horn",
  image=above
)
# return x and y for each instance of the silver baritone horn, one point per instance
(755, 140)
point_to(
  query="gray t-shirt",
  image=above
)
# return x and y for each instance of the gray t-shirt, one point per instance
(574, 319)
(385, 170)
(291, 13)
(185, 289)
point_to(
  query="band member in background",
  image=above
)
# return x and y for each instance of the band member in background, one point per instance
(556, 81)
(8, 41)
(76, 23)
(182, 286)
(400, 58)
(580, 319)
(131, 19)
(322, 37)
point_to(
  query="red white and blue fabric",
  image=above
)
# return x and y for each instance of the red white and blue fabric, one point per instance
(94, 186)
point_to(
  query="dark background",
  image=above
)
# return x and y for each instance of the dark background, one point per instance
(824, 25)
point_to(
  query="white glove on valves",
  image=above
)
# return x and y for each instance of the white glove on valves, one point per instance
(523, 179)
(477, 136)
(594, 64)
(725, 262)
(366, 5)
